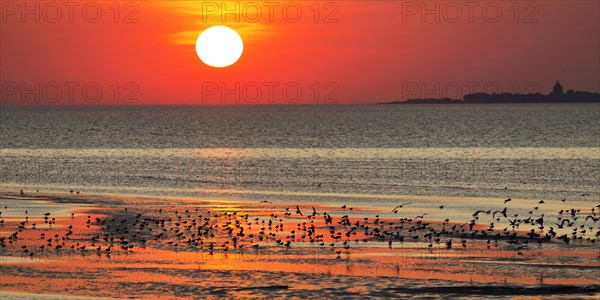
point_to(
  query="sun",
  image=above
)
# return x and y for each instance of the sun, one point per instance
(219, 46)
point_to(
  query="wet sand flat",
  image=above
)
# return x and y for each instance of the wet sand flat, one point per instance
(117, 246)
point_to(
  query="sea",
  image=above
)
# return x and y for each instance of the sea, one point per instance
(357, 155)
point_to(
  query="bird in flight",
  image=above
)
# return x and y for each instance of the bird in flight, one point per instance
(266, 201)
(315, 212)
(395, 210)
(421, 216)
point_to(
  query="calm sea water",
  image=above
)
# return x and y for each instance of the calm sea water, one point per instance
(374, 154)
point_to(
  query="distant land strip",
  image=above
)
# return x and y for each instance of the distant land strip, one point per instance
(556, 96)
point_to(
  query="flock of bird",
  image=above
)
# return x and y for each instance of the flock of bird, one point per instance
(192, 229)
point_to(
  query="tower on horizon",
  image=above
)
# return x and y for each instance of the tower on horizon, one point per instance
(558, 89)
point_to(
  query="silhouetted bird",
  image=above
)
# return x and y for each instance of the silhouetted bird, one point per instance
(395, 210)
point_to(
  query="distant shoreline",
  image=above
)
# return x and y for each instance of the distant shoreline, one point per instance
(556, 96)
(417, 102)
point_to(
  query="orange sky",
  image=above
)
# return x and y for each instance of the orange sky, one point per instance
(373, 51)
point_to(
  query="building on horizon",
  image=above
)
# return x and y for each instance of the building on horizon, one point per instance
(557, 90)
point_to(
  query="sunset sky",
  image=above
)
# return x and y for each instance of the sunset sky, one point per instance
(350, 51)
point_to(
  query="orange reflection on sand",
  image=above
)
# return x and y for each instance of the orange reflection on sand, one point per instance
(193, 247)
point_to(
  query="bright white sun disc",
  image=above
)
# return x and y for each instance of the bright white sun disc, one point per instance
(219, 46)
